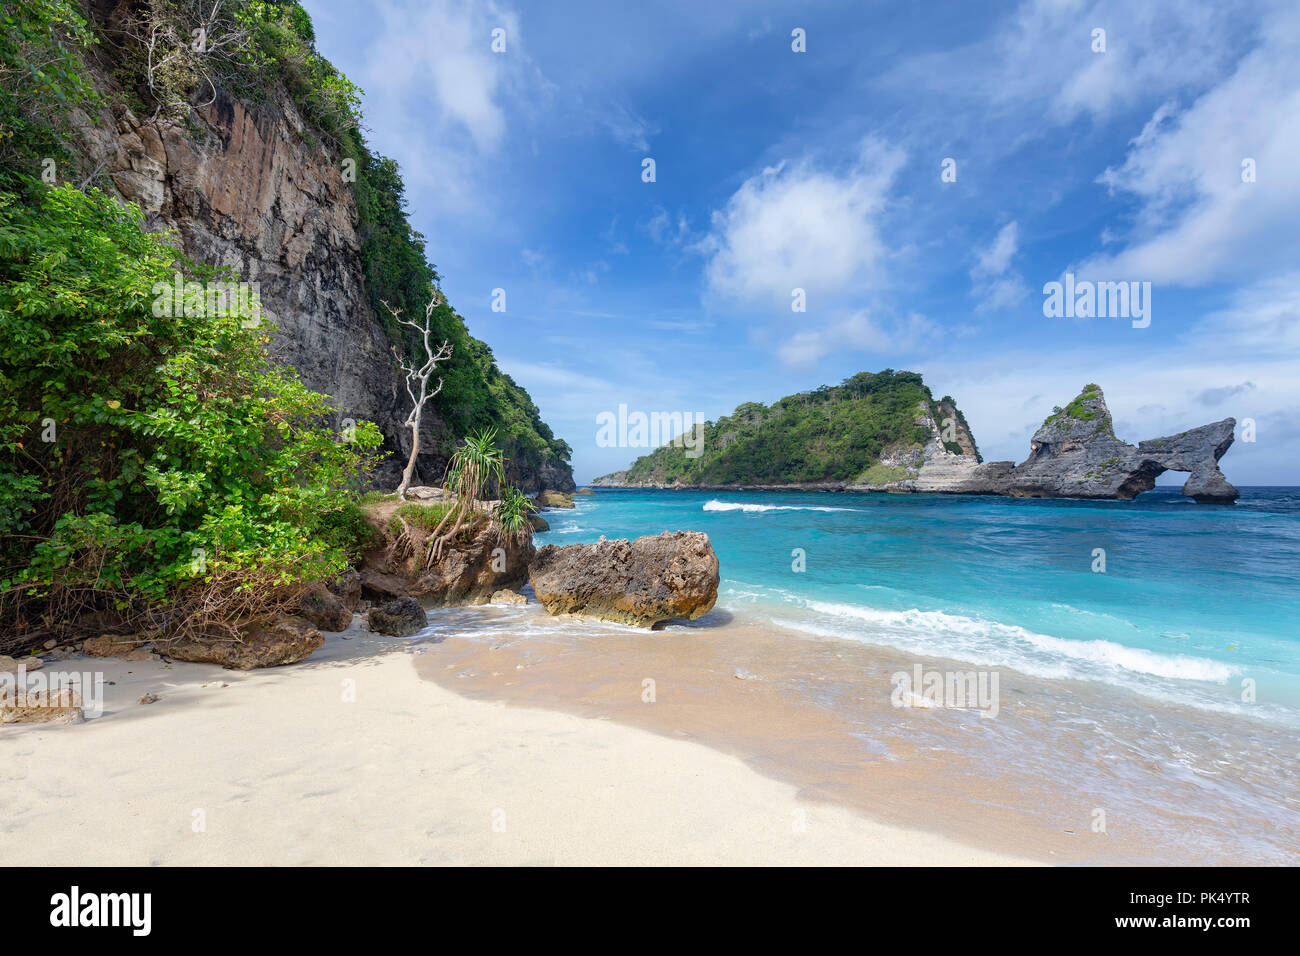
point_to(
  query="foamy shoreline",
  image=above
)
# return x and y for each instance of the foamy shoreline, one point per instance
(351, 758)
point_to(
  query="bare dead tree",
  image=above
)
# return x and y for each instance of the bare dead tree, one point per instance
(201, 34)
(417, 380)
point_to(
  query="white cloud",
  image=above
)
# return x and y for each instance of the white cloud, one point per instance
(629, 128)
(441, 48)
(1262, 319)
(664, 230)
(1197, 221)
(990, 281)
(795, 225)
(859, 331)
(439, 101)
(1043, 54)
(996, 259)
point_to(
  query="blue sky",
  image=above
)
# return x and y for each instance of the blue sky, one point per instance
(821, 170)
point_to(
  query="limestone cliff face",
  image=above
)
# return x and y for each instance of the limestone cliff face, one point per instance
(251, 189)
(249, 194)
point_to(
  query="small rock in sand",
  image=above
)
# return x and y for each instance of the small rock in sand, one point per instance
(399, 618)
(149, 697)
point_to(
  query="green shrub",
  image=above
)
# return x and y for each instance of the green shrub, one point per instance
(146, 458)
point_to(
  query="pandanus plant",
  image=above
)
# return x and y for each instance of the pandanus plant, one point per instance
(476, 468)
(513, 516)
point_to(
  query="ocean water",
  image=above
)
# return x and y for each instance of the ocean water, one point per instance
(1196, 606)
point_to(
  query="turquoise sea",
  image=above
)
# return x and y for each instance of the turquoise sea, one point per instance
(1197, 605)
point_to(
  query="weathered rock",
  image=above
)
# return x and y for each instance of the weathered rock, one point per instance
(641, 582)
(506, 596)
(270, 644)
(429, 493)
(469, 572)
(400, 618)
(325, 611)
(1075, 454)
(41, 707)
(125, 646)
(11, 664)
(539, 523)
(347, 588)
(583, 491)
(553, 499)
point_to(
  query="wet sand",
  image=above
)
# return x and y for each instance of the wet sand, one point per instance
(1056, 776)
(349, 758)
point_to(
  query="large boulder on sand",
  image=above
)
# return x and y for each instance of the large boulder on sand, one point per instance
(641, 582)
(285, 640)
(399, 618)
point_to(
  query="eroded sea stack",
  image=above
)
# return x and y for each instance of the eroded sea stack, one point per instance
(1075, 454)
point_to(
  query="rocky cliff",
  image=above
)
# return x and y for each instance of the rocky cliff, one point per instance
(256, 189)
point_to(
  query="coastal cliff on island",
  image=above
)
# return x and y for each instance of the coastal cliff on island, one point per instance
(886, 432)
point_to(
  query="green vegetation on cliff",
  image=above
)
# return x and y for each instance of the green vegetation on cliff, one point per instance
(254, 49)
(158, 472)
(156, 469)
(833, 433)
(1080, 408)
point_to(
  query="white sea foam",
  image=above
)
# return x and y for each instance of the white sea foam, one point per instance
(716, 505)
(1016, 646)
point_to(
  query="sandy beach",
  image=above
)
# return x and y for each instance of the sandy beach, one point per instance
(352, 758)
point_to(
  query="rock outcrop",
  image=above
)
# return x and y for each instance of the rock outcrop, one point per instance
(325, 611)
(400, 618)
(59, 706)
(270, 644)
(641, 582)
(470, 571)
(1075, 454)
(554, 499)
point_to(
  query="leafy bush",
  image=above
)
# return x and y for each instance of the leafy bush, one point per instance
(41, 82)
(149, 456)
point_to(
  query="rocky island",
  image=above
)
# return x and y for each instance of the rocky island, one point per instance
(886, 432)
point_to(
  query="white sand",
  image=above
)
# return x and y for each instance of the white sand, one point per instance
(285, 771)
